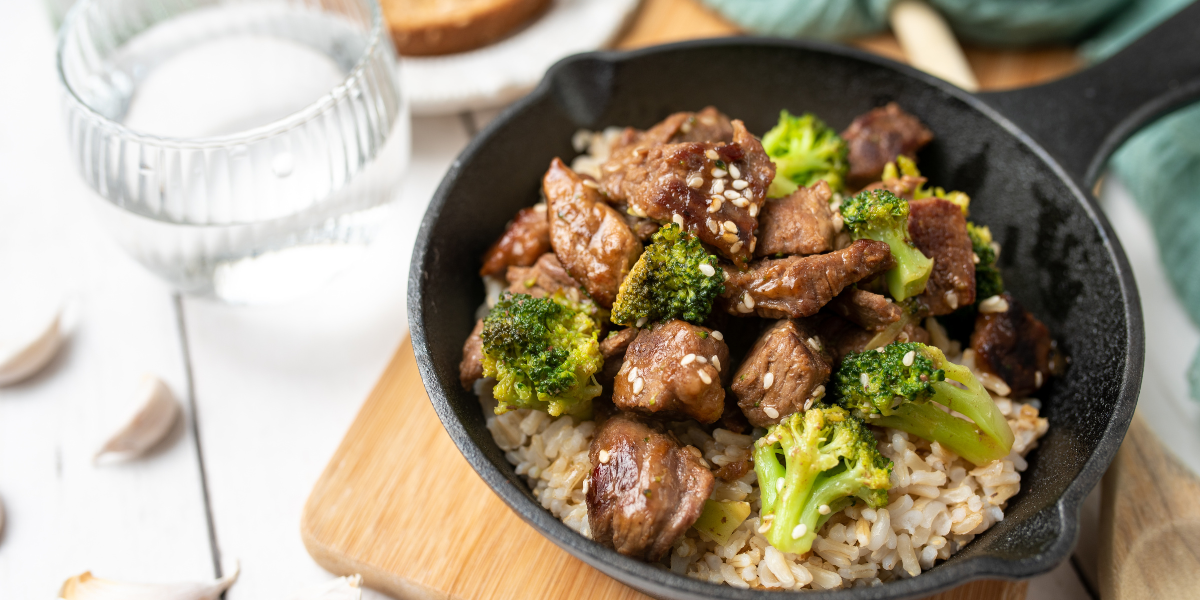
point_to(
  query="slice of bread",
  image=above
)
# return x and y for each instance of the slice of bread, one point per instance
(431, 27)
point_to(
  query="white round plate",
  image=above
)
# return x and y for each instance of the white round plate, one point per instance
(502, 72)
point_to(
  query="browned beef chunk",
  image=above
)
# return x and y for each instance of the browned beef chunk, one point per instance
(866, 309)
(837, 336)
(590, 238)
(612, 348)
(783, 372)
(877, 138)
(471, 367)
(939, 230)
(673, 371)
(714, 190)
(1014, 346)
(546, 277)
(645, 490)
(800, 223)
(798, 286)
(525, 239)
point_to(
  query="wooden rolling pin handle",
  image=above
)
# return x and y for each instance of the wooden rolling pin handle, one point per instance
(1149, 523)
(929, 44)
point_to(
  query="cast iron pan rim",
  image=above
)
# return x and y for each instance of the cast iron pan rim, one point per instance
(659, 581)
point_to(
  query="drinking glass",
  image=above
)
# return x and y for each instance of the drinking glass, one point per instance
(246, 150)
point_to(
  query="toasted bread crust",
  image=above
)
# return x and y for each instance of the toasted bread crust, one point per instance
(428, 28)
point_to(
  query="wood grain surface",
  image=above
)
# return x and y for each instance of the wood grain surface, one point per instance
(401, 506)
(1149, 523)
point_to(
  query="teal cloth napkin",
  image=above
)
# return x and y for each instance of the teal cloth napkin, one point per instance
(1160, 165)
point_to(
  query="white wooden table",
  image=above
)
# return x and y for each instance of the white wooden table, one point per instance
(268, 391)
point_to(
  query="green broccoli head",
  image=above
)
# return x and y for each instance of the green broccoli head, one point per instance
(674, 279)
(882, 216)
(543, 353)
(988, 281)
(804, 150)
(811, 465)
(895, 387)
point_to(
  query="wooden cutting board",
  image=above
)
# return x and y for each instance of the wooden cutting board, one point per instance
(399, 505)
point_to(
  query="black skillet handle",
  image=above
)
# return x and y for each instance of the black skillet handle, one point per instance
(1080, 120)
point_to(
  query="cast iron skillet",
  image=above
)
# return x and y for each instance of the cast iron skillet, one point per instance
(1026, 158)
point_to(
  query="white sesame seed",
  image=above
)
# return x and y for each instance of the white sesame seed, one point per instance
(717, 363)
(707, 270)
(695, 182)
(754, 210)
(718, 186)
(864, 379)
(730, 237)
(1037, 379)
(638, 384)
(779, 485)
(711, 154)
(732, 195)
(753, 239)
(995, 304)
(695, 451)
(687, 360)
(717, 201)
(736, 247)
(712, 226)
(879, 349)
(633, 374)
(718, 335)
(768, 381)
(838, 223)
(518, 248)
(799, 531)
(730, 226)
(540, 207)
(974, 258)
(808, 404)
(823, 509)
(678, 219)
(604, 457)
(591, 184)
(741, 307)
(909, 358)
(702, 360)
(766, 524)
(718, 173)
(640, 322)
(748, 299)
(733, 170)
(741, 202)
(704, 376)
(740, 184)
(585, 485)
(951, 299)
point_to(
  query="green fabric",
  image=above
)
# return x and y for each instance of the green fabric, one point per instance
(996, 22)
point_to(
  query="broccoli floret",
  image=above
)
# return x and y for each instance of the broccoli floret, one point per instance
(812, 465)
(897, 386)
(543, 353)
(880, 215)
(988, 281)
(905, 166)
(804, 150)
(674, 279)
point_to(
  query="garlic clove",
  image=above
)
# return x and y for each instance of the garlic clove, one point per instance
(30, 350)
(153, 421)
(86, 586)
(342, 588)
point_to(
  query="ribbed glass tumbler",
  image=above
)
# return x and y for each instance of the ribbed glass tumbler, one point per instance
(246, 150)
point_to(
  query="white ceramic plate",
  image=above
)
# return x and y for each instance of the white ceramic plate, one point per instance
(502, 72)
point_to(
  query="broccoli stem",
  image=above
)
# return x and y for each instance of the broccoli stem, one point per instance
(912, 270)
(929, 422)
(974, 402)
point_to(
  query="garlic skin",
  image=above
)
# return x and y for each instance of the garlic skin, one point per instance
(152, 422)
(342, 588)
(86, 586)
(20, 359)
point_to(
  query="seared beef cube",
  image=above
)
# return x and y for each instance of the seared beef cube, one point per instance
(545, 278)
(800, 223)
(645, 489)
(673, 371)
(630, 148)
(798, 286)
(1014, 346)
(714, 190)
(939, 230)
(471, 367)
(877, 138)
(783, 373)
(590, 238)
(525, 239)
(613, 348)
(866, 309)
